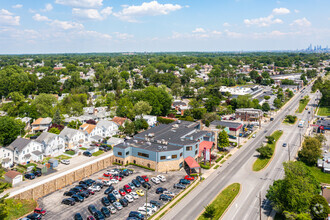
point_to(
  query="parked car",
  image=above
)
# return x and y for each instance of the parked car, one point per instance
(100, 184)
(161, 178)
(144, 211)
(37, 173)
(78, 216)
(34, 216)
(90, 191)
(179, 186)
(90, 218)
(187, 177)
(69, 193)
(113, 181)
(116, 177)
(107, 174)
(112, 209)
(98, 215)
(105, 211)
(123, 202)
(109, 190)
(160, 190)
(95, 188)
(29, 176)
(87, 154)
(66, 162)
(136, 183)
(76, 189)
(83, 194)
(155, 180)
(169, 193)
(136, 215)
(184, 181)
(146, 185)
(165, 197)
(105, 201)
(150, 206)
(131, 185)
(117, 205)
(145, 178)
(112, 198)
(155, 203)
(69, 201)
(122, 192)
(127, 188)
(92, 209)
(116, 194)
(134, 195)
(83, 186)
(78, 198)
(140, 192)
(40, 211)
(129, 198)
(140, 179)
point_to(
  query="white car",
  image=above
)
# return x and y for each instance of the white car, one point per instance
(134, 195)
(144, 209)
(95, 188)
(155, 180)
(112, 172)
(169, 193)
(150, 206)
(112, 209)
(114, 181)
(66, 162)
(116, 194)
(161, 178)
(106, 182)
(129, 198)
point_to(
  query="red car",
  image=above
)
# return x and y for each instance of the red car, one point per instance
(145, 178)
(122, 192)
(189, 177)
(90, 191)
(40, 211)
(127, 188)
(90, 218)
(107, 174)
(118, 178)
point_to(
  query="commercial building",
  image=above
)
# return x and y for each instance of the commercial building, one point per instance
(249, 114)
(233, 127)
(164, 147)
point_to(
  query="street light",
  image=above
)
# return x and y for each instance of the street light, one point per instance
(147, 200)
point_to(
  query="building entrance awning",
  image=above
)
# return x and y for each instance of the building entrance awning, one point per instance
(192, 163)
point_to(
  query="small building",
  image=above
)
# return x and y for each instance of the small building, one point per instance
(13, 177)
(234, 127)
(108, 128)
(41, 124)
(249, 114)
(119, 120)
(72, 137)
(90, 130)
(114, 141)
(54, 145)
(150, 119)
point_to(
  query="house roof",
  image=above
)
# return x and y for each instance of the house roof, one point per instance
(37, 153)
(45, 137)
(88, 127)
(119, 120)
(151, 146)
(229, 124)
(19, 144)
(105, 123)
(68, 132)
(12, 174)
(191, 162)
(42, 121)
(115, 141)
(205, 144)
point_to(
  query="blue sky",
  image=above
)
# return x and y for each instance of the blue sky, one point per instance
(70, 26)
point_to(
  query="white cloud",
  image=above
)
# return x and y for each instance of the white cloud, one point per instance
(263, 21)
(216, 32)
(48, 7)
(281, 11)
(94, 34)
(66, 25)
(303, 22)
(17, 6)
(106, 11)
(233, 34)
(226, 24)
(81, 3)
(8, 18)
(123, 36)
(296, 11)
(39, 17)
(199, 30)
(92, 13)
(153, 8)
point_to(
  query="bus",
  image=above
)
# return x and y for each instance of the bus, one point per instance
(301, 124)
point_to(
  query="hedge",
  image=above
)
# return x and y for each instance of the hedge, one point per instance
(164, 120)
(115, 163)
(220, 158)
(140, 166)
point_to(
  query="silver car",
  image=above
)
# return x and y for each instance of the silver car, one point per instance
(129, 198)
(116, 194)
(131, 185)
(117, 205)
(112, 209)
(134, 195)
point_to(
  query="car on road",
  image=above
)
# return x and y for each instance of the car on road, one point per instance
(112, 198)
(69, 201)
(112, 209)
(161, 178)
(66, 162)
(34, 216)
(131, 185)
(122, 192)
(136, 215)
(78, 216)
(92, 209)
(284, 145)
(160, 190)
(105, 201)
(129, 198)
(29, 176)
(109, 190)
(78, 198)
(146, 185)
(184, 181)
(116, 194)
(155, 180)
(165, 197)
(155, 203)
(117, 205)
(127, 188)
(105, 211)
(69, 193)
(140, 192)
(40, 211)
(134, 195)
(187, 177)
(136, 183)
(254, 135)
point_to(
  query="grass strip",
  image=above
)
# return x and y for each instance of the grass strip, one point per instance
(98, 153)
(302, 104)
(18, 208)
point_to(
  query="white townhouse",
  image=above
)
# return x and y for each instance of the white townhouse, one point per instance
(151, 119)
(72, 137)
(90, 131)
(22, 151)
(53, 144)
(109, 128)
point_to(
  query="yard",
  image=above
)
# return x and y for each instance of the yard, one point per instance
(70, 152)
(323, 111)
(63, 157)
(221, 202)
(319, 175)
(18, 208)
(261, 163)
(302, 104)
(98, 153)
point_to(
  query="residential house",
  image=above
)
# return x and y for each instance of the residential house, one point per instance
(90, 130)
(53, 145)
(41, 124)
(13, 177)
(119, 120)
(150, 119)
(109, 128)
(72, 137)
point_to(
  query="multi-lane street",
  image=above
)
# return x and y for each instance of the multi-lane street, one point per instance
(239, 169)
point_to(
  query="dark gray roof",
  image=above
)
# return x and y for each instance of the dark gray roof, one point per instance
(19, 144)
(151, 146)
(179, 103)
(228, 124)
(46, 137)
(37, 153)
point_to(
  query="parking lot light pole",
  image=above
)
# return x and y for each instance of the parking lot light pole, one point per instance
(147, 202)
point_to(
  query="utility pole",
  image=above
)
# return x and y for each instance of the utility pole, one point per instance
(289, 150)
(260, 205)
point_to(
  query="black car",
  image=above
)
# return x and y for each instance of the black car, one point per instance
(78, 216)
(29, 176)
(78, 198)
(76, 189)
(132, 218)
(137, 215)
(83, 194)
(160, 190)
(165, 197)
(92, 209)
(37, 173)
(105, 211)
(155, 203)
(109, 190)
(105, 201)
(98, 215)
(179, 186)
(136, 183)
(146, 185)
(112, 198)
(69, 201)
(87, 154)
(140, 179)
(83, 186)
(184, 181)
(89, 182)
(70, 193)
(34, 216)
(126, 173)
(123, 202)
(99, 184)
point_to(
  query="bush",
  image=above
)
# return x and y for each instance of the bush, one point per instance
(140, 166)
(265, 151)
(164, 120)
(115, 163)
(291, 118)
(220, 158)
(70, 152)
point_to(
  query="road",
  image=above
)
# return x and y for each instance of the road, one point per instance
(239, 169)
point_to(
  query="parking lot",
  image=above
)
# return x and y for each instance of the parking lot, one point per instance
(56, 210)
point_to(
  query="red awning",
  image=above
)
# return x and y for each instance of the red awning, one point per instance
(205, 144)
(191, 162)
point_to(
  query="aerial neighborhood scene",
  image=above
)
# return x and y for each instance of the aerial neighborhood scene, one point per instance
(164, 110)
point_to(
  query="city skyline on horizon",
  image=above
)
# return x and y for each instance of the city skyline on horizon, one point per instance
(102, 26)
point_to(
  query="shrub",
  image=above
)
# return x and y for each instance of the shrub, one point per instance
(164, 120)
(140, 166)
(265, 151)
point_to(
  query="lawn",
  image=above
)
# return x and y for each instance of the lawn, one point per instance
(97, 153)
(63, 157)
(319, 175)
(70, 152)
(223, 200)
(261, 163)
(83, 148)
(18, 208)
(286, 121)
(302, 104)
(323, 111)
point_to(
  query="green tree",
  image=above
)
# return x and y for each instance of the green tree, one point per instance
(209, 212)
(266, 97)
(265, 151)
(10, 129)
(223, 139)
(211, 103)
(74, 124)
(125, 108)
(319, 207)
(310, 151)
(3, 186)
(140, 124)
(265, 107)
(54, 130)
(57, 117)
(129, 128)
(124, 75)
(142, 108)
(44, 104)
